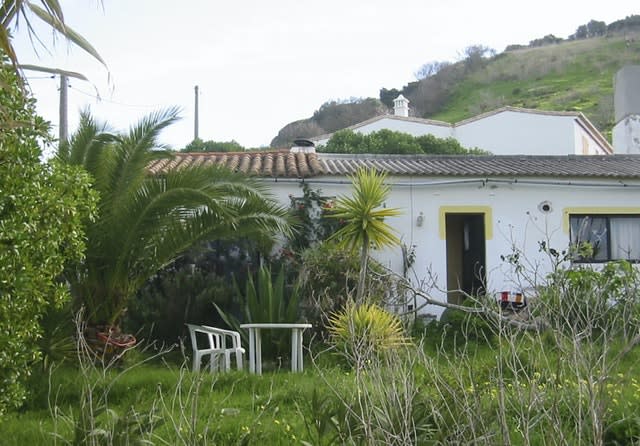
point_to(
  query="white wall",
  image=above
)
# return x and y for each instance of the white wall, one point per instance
(585, 144)
(410, 127)
(517, 133)
(399, 125)
(516, 222)
(626, 135)
(505, 133)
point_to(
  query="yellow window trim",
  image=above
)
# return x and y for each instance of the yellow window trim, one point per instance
(486, 210)
(566, 212)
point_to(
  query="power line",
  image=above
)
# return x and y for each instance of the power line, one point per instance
(122, 104)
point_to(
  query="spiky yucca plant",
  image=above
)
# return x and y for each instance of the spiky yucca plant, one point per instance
(362, 331)
(363, 215)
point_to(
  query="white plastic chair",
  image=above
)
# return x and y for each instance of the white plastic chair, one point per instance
(217, 347)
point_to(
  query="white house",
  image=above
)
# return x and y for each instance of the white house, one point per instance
(465, 214)
(505, 131)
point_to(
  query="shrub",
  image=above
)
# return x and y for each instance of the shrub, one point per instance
(361, 331)
(175, 297)
(186, 290)
(42, 209)
(267, 299)
(391, 142)
(313, 224)
(591, 302)
(328, 277)
(457, 327)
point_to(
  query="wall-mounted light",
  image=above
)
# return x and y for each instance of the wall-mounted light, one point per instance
(420, 219)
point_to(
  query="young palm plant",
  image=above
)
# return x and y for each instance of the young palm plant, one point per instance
(364, 214)
(146, 221)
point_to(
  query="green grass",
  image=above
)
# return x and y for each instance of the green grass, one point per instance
(458, 384)
(229, 406)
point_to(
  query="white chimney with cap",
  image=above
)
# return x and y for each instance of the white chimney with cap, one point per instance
(301, 145)
(401, 106)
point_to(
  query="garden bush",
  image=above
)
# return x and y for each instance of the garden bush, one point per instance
(458, 327)
(592, 301)
(328, 277)
(186, 291)
(360, 332)
(42, 210)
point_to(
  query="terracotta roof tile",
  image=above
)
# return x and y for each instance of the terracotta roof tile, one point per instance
(279, 164)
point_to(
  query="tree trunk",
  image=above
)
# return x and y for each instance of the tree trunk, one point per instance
(364, 259)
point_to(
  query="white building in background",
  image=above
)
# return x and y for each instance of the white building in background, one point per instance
(505, 131)
(626, 132)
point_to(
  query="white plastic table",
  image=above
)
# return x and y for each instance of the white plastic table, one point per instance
(255, 344)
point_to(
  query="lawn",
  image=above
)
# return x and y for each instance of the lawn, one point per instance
(518, 388)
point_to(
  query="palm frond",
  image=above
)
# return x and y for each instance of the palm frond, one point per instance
(50, 70)
(145, 221)
(126, 169)
(364, 213)
(52, 15)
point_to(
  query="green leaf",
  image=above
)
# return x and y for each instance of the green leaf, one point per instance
(55, 21)
(42, 69)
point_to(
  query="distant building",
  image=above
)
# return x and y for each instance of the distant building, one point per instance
(626, 132)
(505, 131)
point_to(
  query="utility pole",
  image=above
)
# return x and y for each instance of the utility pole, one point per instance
(63, 126)
(195, 123)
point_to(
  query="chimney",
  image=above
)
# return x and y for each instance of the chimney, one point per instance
(626, 100)
(401, 106)
(302, 145)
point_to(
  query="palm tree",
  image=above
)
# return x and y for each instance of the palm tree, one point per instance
(364, 214)
(146, 221)
(15, 12)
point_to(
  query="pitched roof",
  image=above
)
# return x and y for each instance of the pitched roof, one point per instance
(277, 164)
(283, 164)
(529, 111)
(587, 166)
(578, 116)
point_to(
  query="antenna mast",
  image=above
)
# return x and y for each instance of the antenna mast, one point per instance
(63, 124)
(195, 123)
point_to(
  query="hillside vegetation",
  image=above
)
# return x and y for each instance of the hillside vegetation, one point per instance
(548, 74)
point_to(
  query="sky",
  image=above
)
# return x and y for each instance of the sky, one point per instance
(260, 65)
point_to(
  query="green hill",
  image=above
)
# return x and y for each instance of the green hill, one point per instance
(571, 75)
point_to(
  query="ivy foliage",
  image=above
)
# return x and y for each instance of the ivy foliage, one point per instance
(311, 213)
(390, 142)
(42, 210)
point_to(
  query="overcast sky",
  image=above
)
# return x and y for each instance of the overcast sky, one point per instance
(262, 64)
